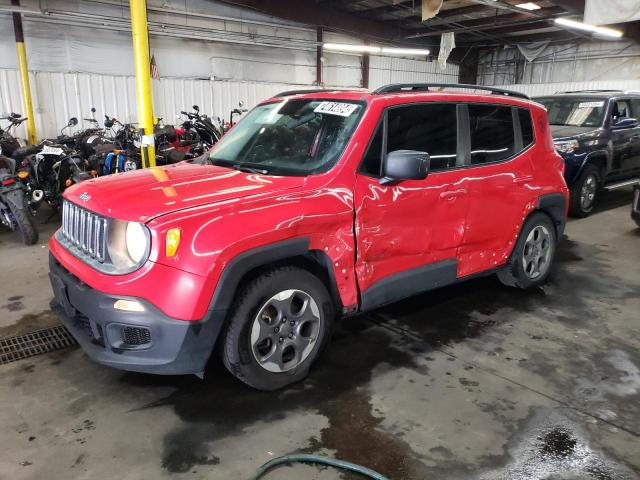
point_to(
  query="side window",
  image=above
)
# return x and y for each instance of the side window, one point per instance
(635, 108)
(620, 109)
(524, 115)
(491, 132)
(431, 128)
(371, 162)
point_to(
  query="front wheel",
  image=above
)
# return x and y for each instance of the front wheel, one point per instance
(585, 192)
(279, 324)
(530, 262)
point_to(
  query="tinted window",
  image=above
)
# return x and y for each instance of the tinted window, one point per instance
(526, 126)
(491, 130)
(430, 128)
(371, 162)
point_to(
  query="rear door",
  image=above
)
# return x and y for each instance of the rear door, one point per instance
(499, 178)
(408, 232)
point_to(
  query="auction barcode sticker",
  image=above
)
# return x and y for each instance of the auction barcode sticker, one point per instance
(590, 104)
(336, 108)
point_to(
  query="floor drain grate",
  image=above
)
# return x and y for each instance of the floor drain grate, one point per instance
(34, 343)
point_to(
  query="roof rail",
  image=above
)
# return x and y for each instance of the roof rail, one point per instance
(288, 93)
(592, 91)
(426, 87)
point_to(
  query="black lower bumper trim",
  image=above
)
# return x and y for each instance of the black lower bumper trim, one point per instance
(174, 347)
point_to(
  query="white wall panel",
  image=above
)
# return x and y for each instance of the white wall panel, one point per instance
(58, 96)
(385, 70)
(538, 89)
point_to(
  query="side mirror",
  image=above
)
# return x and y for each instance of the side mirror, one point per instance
(196, 108)
(241, 103)
(625, 122)
(404, 165)
(73, 121)
(93, 110)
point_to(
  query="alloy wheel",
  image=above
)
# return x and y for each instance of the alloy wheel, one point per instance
(536, 256)
(588, 192)
(285, 330)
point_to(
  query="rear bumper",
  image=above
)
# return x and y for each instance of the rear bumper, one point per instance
(147, 341)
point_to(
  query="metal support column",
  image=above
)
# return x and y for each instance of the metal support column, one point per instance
(24, 75)
(142, 66)
(365, 70)
(319, 57)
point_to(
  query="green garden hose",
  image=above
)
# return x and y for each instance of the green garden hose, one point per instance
(332, 462)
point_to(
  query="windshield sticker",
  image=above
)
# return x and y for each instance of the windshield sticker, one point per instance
(336, 108)
(590, 104)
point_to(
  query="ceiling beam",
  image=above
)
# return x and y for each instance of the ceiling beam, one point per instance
(312, 13)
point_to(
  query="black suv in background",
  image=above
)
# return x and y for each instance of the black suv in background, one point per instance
(598, 135)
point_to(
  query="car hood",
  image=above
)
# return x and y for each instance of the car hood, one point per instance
(145, 194)
(564, 131)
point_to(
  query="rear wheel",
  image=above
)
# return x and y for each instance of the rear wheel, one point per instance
(279, 324)
(585, 192)
(530, 262)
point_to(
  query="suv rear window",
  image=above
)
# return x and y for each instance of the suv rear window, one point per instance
(492, 133)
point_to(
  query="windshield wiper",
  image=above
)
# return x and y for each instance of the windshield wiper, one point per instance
(246, 168)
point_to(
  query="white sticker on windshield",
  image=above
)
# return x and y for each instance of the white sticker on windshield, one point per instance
(590, 104)
(336, 108)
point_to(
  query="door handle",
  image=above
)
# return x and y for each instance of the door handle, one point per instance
(521, 180)
(452, 194)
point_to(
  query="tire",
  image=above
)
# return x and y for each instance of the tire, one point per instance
(541, 245)
(588, 184)
(24, 222)
(267, 364)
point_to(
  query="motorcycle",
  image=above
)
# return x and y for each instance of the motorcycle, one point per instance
(47, 169)
(198, 133)
(14, 211)
(9, 143)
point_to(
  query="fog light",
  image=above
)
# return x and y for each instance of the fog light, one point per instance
(128, 305)
(173, 242)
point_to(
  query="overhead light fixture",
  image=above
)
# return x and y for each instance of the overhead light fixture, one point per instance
(528, 6)
(405, 51)
(346, 47)
(604, 31)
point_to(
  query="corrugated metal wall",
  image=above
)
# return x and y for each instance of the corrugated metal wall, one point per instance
(538, 89)
(384, 70)
(58, 96)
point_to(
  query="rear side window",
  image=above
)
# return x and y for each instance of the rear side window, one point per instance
(524, 115)
(491, 133)
(635, 108)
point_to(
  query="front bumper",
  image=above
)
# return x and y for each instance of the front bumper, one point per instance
(147, 341)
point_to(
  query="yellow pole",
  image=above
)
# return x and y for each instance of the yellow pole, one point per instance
(140, 36)
(24, 75)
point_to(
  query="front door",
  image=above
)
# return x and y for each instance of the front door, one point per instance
(624, 142)
(408, 232)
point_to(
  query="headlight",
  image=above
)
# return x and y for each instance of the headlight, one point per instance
(567, 146)
(128, 245)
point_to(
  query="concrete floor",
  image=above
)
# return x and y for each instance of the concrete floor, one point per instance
(475, 381)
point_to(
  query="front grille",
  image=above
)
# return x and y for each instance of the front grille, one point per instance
(85, 230)
(136, 336)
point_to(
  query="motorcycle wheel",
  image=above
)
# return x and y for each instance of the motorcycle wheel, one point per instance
(24, 222)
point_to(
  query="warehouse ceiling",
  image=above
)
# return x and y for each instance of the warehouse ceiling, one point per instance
(477, 23)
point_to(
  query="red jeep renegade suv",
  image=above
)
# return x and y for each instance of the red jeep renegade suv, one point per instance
(316, 205)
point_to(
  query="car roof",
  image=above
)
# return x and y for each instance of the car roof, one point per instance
(399, 97)
(591, 93)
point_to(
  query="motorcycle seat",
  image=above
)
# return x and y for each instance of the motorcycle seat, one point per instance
(20, 153)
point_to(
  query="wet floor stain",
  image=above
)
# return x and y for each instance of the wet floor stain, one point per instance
(14, 306)
(29, 323)
(553, 445)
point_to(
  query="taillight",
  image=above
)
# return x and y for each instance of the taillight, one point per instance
(8, 181)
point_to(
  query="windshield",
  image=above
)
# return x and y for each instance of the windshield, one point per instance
(577, 112)
(289, 137)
